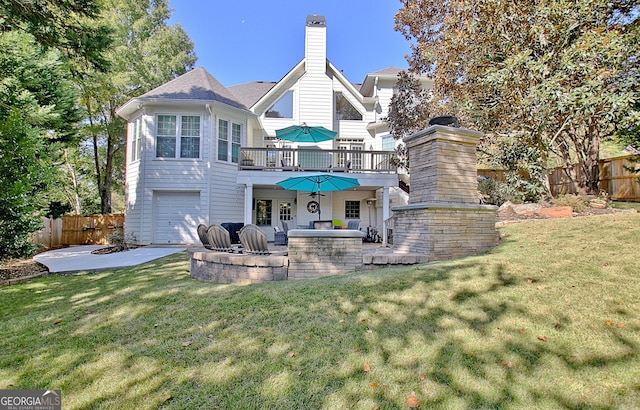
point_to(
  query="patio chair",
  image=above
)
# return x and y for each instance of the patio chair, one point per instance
(254, 240)
(345, 168)
(288, 167)
(220, 240)
(285, 230)
(353, 225)
(202, 234)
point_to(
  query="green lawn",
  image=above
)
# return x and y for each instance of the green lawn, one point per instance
(548, 319)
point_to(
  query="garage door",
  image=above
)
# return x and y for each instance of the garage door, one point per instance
(176, 217)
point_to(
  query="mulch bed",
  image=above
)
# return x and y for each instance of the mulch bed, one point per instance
(21, 268)
(512, 216)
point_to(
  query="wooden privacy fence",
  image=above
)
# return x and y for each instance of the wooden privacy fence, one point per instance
(51, 233)
(615, 178)
(78, 230)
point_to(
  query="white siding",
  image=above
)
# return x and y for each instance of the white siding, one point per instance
(227, 196)
(166, 174)
(316, 49)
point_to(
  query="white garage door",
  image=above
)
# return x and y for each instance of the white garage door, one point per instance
(176, 217)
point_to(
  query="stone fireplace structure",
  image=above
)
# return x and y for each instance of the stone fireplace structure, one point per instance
(443, 219)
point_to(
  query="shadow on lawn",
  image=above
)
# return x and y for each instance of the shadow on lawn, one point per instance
(456, 333)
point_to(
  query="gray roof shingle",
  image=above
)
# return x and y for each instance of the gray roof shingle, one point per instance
(196, 84)
(249, 93)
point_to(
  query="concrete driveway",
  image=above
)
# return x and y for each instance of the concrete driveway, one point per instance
(79, 258)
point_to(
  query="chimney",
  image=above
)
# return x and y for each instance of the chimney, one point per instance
(315, 45)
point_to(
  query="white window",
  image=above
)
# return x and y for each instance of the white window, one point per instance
(352, 209)
(345, 110)
(283, 108)
(229, 141)
(388, 143)
(284, 211)
(223, 140)
(354, 159)
(236, 137)
(168, 145)
(136, 140)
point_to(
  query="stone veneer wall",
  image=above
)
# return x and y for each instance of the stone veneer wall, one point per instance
(445, 232)
(224, 267)
(315, 253)
(443, 219)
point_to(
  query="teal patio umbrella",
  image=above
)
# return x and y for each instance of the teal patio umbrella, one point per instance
(317, 183)
(305, 133)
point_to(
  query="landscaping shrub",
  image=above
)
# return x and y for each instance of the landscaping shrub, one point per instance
(576, 202)
(497, 192)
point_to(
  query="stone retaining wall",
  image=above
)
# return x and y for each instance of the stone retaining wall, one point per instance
(221, 267)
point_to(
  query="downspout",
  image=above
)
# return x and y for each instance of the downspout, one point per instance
(211, 128)
(375, 95)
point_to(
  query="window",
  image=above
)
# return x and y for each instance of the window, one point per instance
(136, 140)
(354, 157)
(236, 136)
(263, 212)
(190, 137)
(284, 211)
(352, 209)
(345, 110)
(388, 143)
(167, 143)
(229, 141)
(223, 140)
(283, 108)
(166, 139)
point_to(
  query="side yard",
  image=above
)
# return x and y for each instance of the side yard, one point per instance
(548, 319)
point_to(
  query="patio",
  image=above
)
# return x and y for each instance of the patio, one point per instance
(221, 267)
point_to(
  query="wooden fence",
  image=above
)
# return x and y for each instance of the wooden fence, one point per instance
(615, 178)
(78, 230)
(51, 233)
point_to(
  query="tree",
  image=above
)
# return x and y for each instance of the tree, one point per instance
(66, 25)
(552, 74)
(37, 110)
(41, 44)
(146, 53)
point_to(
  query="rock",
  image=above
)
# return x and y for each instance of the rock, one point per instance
(556, 212)
(596, 203)
(526, 209)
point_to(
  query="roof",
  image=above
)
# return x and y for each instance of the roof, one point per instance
(249, 93)
(389, 71)
(196, 84)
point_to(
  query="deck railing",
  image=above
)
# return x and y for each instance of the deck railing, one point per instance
(306, 159)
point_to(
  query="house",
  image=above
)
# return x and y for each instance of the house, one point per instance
(200, 152)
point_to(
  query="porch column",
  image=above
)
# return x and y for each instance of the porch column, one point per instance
(385, 212)
(248, 203)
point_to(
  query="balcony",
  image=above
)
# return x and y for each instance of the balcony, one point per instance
(324, 160)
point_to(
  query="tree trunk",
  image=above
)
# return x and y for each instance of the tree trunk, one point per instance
(75, 198)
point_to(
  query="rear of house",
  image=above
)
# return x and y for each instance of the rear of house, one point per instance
(199, 152)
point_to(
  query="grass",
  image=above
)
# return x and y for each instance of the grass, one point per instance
(548, 319)
(626, 205)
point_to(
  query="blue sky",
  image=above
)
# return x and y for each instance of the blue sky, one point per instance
(240, 41)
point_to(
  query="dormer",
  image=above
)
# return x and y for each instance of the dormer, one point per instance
(316, 44)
